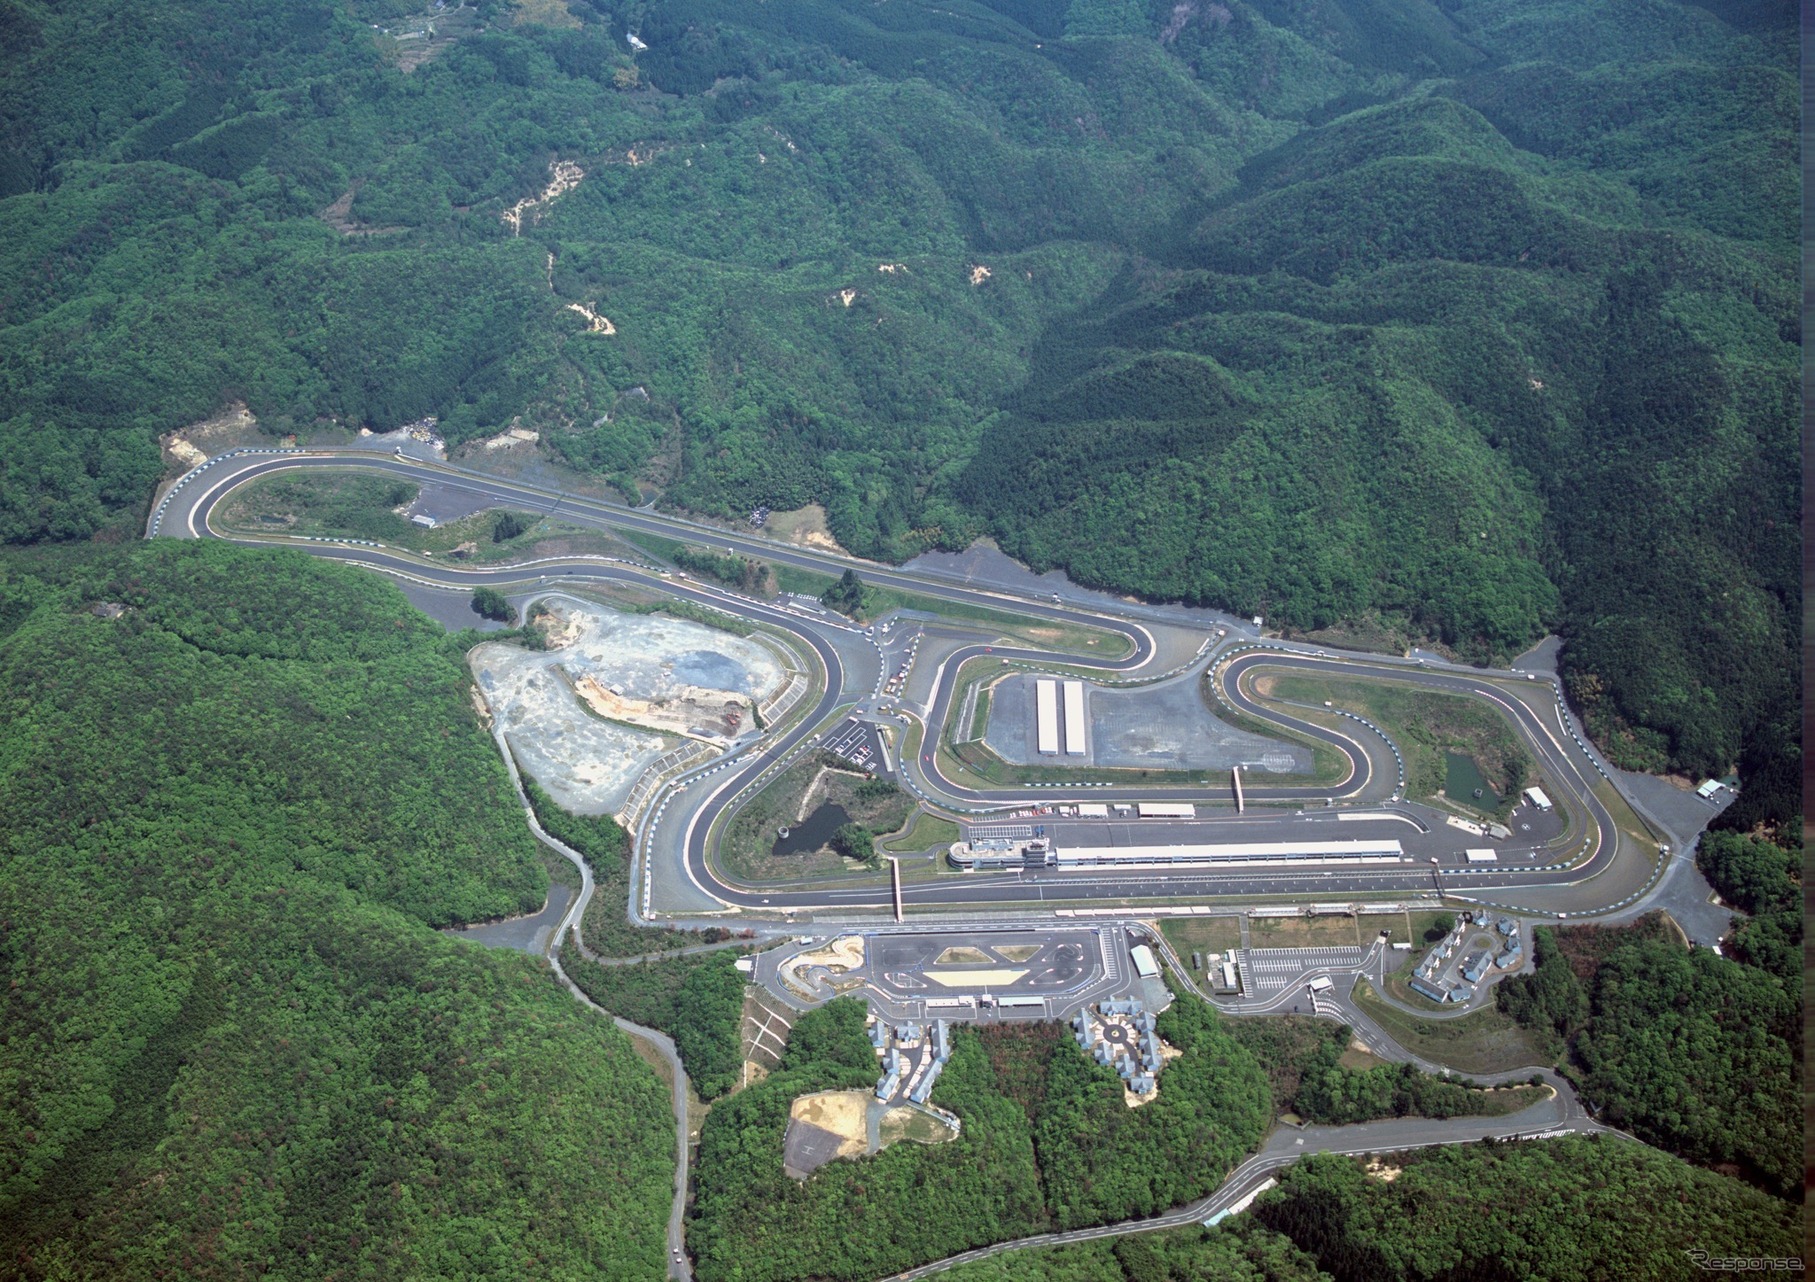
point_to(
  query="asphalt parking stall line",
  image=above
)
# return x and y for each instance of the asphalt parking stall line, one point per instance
(1272, 969)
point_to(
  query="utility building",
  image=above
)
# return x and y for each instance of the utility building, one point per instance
(1046, 716)
(1074, 719)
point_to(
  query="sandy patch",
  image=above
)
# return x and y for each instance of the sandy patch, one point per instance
(753, 1073)
(979, 274)
(597, 324)
(975, 978)
(803, 527)
(712, 716)
(1018, 952)
(563, 177)
(847, 296)
(891, 269)
(961, 956)
(185, 454)
(842, 954)
(560, 630)
(512, 437)
(840, 1112)
(188, 446)
(1379, 1170)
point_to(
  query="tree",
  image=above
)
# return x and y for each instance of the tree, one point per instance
(854, 841)
(507, 526)
(846, 596)
(489, 603)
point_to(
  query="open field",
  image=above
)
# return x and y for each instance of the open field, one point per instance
(1201, 934)
(840, 1112)
(1401, 928)
(1427, 726)
(924, 832)
(912, 1124)
(361, 506)
(1482, 1042)
(1330, 931)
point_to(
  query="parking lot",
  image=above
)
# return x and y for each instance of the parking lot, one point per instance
(1267, 970)
(986, 974)
(857, 743)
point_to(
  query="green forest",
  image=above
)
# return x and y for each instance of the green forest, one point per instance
(698, 1000)
(1302, 1058)
(1047, 1141)
(241, 789)
(1566, 1210)
(1481, 317)
(1242, 1250)
(1697, 1053)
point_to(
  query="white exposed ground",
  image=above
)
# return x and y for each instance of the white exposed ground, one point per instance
(589, 764)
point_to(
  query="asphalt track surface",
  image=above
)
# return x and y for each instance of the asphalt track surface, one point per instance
(185, 509)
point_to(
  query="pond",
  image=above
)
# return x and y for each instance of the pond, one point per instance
(812, 832)
(1464, 782)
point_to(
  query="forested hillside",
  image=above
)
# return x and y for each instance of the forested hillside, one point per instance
(1046, 1141)
(1552, 1211)
(240, 788)
(1696, 1053)
(1478, 315)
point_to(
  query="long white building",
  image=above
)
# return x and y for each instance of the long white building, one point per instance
(1231, 855)
(1046, 715)
(1074, 718)
(1040, 852)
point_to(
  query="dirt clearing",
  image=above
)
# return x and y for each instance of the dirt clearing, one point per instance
(961, 956)
(911, 1124)
(804, 527)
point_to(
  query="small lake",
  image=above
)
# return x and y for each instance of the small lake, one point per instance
(812, 832)
(1463, 782)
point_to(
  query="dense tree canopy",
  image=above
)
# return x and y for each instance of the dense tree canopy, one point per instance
(1761, 875)
(239, 789)
(1046, 1141)
(1697, 1053)
(1563, 1210)
(698, 1000)
(1480, 316)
